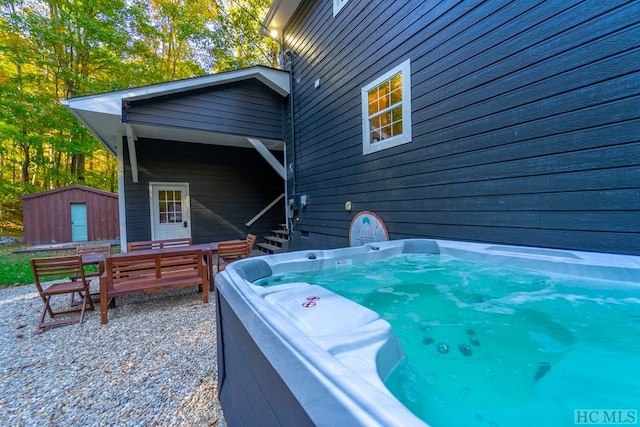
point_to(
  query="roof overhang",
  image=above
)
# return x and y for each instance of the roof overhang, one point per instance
(279, 15)
(102, 113)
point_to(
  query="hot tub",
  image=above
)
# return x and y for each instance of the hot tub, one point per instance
(298, 354)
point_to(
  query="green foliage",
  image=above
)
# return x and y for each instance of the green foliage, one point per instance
(15, 268)
(57, 49)
(15, 262)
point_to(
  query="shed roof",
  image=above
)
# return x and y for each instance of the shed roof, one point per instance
(67, 188)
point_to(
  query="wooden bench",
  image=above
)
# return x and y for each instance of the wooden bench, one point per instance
(126, 274)
(159, 244)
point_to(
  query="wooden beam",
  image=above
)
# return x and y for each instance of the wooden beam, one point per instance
(270, 158)
(133, 158)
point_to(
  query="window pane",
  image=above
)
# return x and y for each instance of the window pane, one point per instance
(397, 128)
(162, 195)
(396, 96)
(163, 218)
(373, 106)
(396, 82)
(396, 114)
(385, 119)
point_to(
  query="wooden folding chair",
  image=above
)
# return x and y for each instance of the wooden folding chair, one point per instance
(251, 242)
(230, 251)
(67, 277)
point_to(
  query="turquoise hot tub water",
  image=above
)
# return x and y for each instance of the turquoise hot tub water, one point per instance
(495, 345)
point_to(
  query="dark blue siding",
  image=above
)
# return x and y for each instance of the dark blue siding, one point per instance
(526, 121)
(244, 108)
(227, 186)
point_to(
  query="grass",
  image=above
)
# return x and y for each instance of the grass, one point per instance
(15, 268)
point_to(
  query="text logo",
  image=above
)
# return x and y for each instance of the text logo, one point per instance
(310, 302)
(605, 416)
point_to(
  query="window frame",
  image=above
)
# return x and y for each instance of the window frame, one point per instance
(368, 147)
(338, 5)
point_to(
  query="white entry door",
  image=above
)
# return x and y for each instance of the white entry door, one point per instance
(170, 213)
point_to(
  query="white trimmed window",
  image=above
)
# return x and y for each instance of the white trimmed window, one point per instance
(386, 110)
(337, 5)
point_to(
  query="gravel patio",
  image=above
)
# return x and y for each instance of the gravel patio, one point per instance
(154, 363)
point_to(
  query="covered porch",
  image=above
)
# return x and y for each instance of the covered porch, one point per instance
(216, 143)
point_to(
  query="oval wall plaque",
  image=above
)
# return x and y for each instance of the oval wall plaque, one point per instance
(367, 227)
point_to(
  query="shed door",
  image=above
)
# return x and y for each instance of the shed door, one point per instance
(79, 222)
(170, 216)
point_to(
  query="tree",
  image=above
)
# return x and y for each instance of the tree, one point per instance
(58, 49)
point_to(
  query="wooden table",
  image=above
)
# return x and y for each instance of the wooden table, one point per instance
(94, 259)
(208, 249)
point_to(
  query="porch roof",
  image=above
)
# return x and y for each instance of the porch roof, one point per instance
(102, 113)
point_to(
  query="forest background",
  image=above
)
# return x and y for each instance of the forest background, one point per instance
(59, 49)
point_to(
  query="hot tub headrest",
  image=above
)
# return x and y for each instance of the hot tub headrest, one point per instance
(253, 269)
(420, 246)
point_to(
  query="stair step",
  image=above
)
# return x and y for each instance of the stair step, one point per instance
(279, 240)
(270, 249)
(280, 232)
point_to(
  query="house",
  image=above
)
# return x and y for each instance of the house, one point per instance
(507, 122)
(198, 158)
(511, 122)
(70, 214)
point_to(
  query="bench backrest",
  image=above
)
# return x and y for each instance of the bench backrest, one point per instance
(159, 244)
(122, 270)
(98, 248)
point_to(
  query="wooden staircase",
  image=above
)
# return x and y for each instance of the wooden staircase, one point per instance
(276, 243)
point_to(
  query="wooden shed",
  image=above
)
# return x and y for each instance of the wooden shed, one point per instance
(70, 214)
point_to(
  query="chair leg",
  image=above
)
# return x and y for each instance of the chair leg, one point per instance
(46, 309)
(77, 302)
(84, 306)
(60, 322)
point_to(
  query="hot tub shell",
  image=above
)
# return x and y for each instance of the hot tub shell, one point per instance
(298, 354)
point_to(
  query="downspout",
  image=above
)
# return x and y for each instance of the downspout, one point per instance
(292, 167)
(293, 131)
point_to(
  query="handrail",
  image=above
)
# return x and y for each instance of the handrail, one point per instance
(263, 211)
